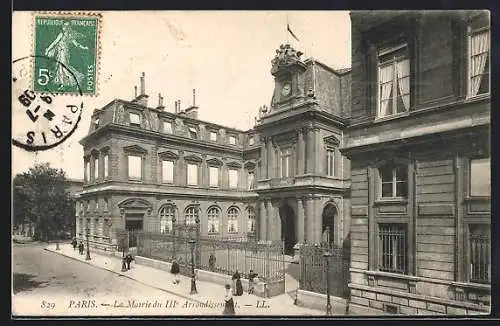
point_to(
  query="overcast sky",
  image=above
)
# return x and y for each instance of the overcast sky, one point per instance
(225, 56)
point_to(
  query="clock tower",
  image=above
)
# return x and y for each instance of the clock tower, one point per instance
(288, 71)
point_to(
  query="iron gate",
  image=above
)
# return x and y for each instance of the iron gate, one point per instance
(313, 271)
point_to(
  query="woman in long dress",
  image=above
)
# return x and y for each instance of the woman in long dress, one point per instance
(229, 302)
(60, 50)
(236, 276)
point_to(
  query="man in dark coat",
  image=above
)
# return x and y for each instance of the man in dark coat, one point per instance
(129, 259)
(74, 243)
(80, 248)
(175, 270)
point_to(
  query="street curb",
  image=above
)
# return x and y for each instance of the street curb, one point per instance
(126, 276)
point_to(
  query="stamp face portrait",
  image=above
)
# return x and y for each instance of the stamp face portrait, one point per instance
(72, 41)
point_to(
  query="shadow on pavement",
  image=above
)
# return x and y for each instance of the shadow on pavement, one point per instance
(25, 282)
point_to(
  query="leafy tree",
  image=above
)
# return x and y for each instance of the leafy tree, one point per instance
(41, 196)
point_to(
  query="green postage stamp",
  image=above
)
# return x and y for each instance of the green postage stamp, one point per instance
(66, 47)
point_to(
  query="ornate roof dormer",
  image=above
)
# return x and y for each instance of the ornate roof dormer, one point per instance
(285, 56)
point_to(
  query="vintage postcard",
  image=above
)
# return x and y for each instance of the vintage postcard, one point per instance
(251, 163)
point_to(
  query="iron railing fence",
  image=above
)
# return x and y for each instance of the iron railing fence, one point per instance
(221, 255)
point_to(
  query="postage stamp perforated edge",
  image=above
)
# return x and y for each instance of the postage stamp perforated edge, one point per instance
(78, 14)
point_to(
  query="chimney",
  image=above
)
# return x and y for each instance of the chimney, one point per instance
(143, 86)
(194, 97)
(192, 111)
(160, 101)
(135, 91)
(142, 98)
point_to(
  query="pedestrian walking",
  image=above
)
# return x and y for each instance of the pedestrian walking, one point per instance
(175, 271)
(252, 276)
(211, 262)
(239, 286)
(80, 248)
(228, 302)
(74, 243)
(236, 276)
(128, 259)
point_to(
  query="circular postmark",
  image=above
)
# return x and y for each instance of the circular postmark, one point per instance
(41, 121)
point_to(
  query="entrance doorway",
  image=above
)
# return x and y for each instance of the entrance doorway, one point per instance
(328, 228)
(133, 223)
(287, 217)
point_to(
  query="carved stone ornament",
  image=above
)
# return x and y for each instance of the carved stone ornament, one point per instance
(285, 55)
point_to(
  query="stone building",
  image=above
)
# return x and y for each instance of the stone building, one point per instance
(418, 141)
(285, 179)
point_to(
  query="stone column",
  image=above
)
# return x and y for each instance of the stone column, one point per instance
(318, 155)
(204, 171)
(181, 170)
(271, 162)
(262, 221)
(310, 155)
(300, 152)
(277, 231)
(310, 220)
(300, 220)
(263, 159)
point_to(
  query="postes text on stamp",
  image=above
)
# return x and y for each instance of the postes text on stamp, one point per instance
(72, 42)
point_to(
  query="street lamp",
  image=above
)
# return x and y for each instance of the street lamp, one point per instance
(88, 250)
(57, 241)
(193, 279)
(327, 256)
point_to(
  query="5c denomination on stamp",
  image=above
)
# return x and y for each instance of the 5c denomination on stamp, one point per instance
(41, 120)
(72, 40)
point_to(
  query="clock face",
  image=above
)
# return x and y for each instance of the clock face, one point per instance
(287, 88)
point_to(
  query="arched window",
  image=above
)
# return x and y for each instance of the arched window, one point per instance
(232, 220)
(213, 219)
(191, 215)
(167, 214)
(251, 220)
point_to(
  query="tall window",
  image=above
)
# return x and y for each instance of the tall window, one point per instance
(479, 56)
(213, 219)
(191, 215)
(393, 181)
(251, 220)
(81, 229)
(251, 140)
(106, 205)
(480, 253)
(167, 171)
(213, 176)
(480, 177)
(106, 166)
(96, 227)
(250, 181)
(232, 140)
(134, 167)
(232, 220)
(213, 136)
(96, 168)
(87, 171)
(167, 127)
(233, 178)
(167, 214)
(135, 119)
(392, 248)
(286, 156)
(192, 174)
(330, 161)
(393, 81)
(97, 204)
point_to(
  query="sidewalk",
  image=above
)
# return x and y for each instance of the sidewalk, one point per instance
(281, 305)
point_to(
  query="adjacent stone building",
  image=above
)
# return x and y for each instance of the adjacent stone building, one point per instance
(147, 168)
(418, 141)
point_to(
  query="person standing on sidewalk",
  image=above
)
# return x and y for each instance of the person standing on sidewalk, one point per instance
(229, 303)
(129, 259)
(251, 281)
(80, 248)
(175, 271)
(236, 276)
(74, 243)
